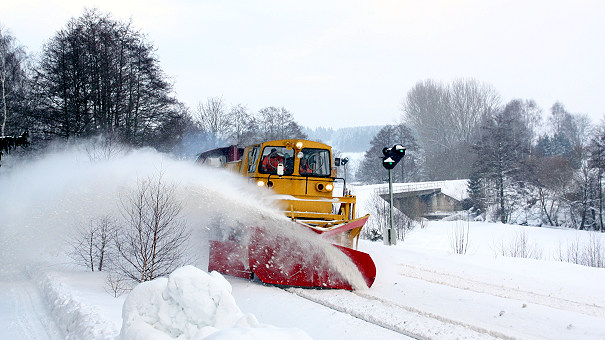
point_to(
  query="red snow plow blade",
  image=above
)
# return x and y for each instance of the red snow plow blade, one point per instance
(299, 262)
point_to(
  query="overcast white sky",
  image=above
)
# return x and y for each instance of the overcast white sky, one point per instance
(351, 63)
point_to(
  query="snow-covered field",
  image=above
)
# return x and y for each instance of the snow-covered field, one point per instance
(423, 289)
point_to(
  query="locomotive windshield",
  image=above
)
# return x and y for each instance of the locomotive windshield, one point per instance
(314, 162)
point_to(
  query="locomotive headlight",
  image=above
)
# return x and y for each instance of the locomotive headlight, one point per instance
(260, 183)
(324, 187)
(299, 145)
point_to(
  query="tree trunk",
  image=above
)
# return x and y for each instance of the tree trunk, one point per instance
(502, 212)
(543, 204)
(600, 203)
(4, 107)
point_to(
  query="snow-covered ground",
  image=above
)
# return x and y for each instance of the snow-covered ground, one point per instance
(423, 288)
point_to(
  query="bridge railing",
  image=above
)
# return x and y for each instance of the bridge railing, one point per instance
(405, 187)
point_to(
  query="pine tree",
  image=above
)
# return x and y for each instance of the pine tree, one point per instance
(476, 196)
(502, 148)
(597, 161)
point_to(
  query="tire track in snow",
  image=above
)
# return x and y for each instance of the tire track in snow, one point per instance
(404, 320)
(456, 281)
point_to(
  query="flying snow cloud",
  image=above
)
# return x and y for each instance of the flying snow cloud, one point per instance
(44, 201)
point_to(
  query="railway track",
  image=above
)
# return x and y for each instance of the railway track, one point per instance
(405, 320)
(528, 296)
(446, 303)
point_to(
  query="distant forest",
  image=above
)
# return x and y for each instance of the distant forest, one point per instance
(350, 139)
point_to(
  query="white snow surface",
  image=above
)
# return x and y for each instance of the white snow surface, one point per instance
(422, 290)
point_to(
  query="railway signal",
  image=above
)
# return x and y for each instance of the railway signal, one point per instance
(392, 156)
(343, 162)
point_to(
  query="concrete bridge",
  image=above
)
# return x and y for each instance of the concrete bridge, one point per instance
(422, 200)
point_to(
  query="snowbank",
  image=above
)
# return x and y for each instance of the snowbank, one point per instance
(75, 319)
(189, 304)
(192, 304)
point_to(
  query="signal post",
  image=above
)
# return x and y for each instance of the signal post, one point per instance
(392, 156)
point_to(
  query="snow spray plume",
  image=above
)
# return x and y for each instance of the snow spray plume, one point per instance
(44, 201)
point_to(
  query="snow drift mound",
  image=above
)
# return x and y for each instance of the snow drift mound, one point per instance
(192, 304)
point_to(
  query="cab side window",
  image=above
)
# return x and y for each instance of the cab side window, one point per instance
(252, 159)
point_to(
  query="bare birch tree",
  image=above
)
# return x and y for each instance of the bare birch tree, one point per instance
(12, 75)
(242, 128)
(213, 117)
(278, 123)
(90, 246)
(152, 242)
(445, 118)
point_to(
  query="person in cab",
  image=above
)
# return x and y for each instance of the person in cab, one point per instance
(271, 161)
(304, 168)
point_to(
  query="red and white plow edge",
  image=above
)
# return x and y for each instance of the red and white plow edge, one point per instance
(291, 262)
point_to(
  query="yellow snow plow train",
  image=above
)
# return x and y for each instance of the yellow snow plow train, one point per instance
(302, 175)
